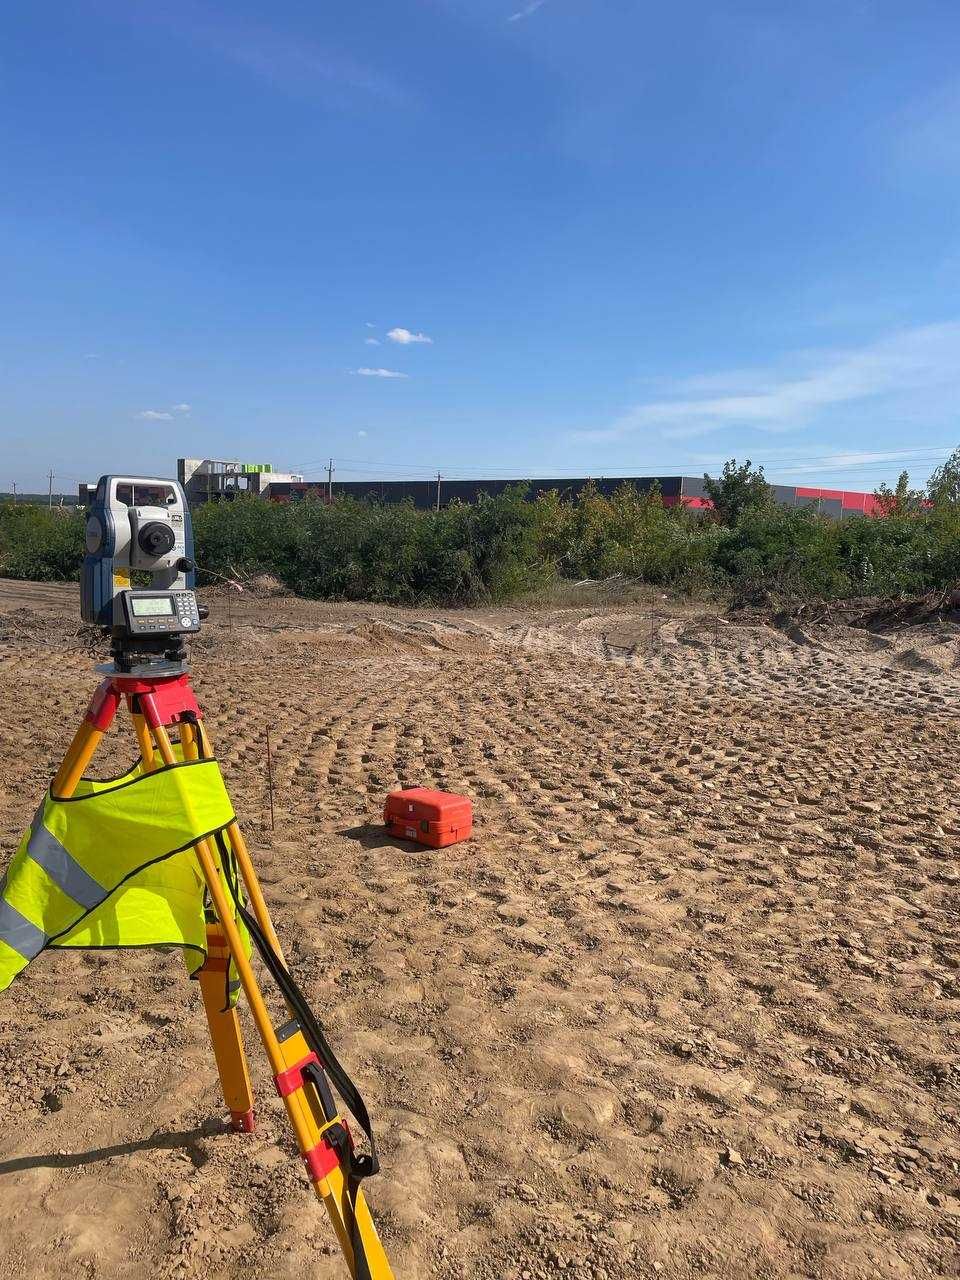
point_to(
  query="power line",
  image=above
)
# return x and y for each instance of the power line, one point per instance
(803, 465)
(916, 454)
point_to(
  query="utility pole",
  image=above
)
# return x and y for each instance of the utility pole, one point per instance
(330, 481)
(438, 490)
(50, 489)
(14, 490)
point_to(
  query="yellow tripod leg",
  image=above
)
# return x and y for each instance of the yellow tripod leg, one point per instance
(330, 1184)
(79, 754)
(245, 864)
(97, 720)
(225, 1033)
(144, 741)
(324, 1168)
(332, 1189)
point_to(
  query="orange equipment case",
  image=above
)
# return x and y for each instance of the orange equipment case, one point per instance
(436, 818)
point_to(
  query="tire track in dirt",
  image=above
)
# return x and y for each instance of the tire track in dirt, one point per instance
(689, 997)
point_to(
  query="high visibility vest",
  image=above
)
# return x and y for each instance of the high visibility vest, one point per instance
(114, 866)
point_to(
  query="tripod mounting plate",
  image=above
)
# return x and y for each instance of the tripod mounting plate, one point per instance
(143, 670)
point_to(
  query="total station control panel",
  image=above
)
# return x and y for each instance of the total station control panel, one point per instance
(154, 613)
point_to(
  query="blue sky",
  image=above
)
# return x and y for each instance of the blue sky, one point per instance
(480, 236)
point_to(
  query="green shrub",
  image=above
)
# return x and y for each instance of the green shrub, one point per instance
(39, 543)
(499, 548)
(246, 537)
(631, 533)
(892, 556)
(785, 551)
(355, 550)
(737, 491)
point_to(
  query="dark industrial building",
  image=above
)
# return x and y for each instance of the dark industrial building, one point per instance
(208, 480)
(686, 490)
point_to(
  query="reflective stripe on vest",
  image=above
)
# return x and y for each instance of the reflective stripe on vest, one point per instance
(19, 934)
(65, 871)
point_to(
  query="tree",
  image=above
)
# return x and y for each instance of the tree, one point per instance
(943, 494)
(901, 501)
(943, 487)
(738, 490)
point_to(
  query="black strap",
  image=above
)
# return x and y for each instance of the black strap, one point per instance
(338, 1140)
(313, 1071)
(357, 1165)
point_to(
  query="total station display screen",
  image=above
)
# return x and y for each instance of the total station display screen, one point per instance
(152, 606)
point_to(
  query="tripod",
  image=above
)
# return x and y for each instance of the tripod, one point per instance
(301, 1060)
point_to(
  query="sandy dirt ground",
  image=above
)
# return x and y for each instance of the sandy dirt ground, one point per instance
(687, 1005)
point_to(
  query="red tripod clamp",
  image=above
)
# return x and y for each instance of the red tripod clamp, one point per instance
(161, 700)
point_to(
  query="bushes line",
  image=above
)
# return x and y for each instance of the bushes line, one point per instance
(37, 543)
(499, 548)
(361, 551)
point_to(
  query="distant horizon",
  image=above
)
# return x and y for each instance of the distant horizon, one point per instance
(71, 497)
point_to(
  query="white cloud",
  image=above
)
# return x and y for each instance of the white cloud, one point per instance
(181, 408)
(154, 415)
(91, 355)
(905, 364)
(844, 461)
(361, 434)
(526, 10)
(405, 337)
(372, 342)
(381, 373)
(805, 462)
(370, 324)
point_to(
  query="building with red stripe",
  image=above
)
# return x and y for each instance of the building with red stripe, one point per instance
(688, 491)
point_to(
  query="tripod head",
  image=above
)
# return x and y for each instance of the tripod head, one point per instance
(139, 527)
